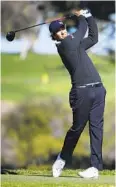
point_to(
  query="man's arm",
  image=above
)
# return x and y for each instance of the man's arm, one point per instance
(82, 27)
(92, 38)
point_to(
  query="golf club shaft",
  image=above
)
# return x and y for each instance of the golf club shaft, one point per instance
(40, 24)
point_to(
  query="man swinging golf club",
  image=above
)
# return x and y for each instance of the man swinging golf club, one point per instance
(87, 95)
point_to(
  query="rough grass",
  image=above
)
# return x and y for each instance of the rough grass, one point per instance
(46, 170)
(69, 178)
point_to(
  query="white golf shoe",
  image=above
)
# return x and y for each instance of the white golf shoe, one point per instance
(58, 166)
(91, 172)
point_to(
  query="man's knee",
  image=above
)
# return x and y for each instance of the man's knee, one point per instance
(73, 131)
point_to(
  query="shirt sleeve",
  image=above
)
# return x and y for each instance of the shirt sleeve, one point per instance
(92, 38)
(82, 28)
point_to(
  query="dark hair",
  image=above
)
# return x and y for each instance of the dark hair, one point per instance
(52, 37)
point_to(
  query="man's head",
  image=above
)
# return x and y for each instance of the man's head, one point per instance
(57, 30)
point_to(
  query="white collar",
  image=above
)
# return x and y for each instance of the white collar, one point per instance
(57, 42)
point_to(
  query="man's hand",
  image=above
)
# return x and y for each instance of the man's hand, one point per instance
(86, 13)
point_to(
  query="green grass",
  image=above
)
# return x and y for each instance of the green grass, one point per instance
(24, 79)
(69, 178)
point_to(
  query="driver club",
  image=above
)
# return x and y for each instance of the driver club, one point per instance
(11, 35)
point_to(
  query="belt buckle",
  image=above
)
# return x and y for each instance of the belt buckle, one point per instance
(82, 86)
(90, 85)
(93, 85)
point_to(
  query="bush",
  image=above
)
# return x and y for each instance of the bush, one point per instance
(35, 127)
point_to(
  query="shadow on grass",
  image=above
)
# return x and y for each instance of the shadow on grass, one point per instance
(5, 171)
(39, 175)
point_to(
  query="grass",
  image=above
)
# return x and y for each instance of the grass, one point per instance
(38, 75)
(44, 76)
(69, 178)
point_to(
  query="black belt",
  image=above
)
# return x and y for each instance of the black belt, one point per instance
(90, 85)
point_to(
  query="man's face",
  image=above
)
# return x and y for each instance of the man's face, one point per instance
(61, 34)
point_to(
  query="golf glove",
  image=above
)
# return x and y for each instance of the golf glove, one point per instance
(86, 13)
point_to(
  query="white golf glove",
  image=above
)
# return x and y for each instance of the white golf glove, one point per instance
(86, 13)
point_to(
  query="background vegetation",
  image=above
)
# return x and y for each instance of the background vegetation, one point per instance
(38, 87)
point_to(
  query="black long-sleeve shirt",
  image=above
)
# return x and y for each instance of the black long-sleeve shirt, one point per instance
(72, 51)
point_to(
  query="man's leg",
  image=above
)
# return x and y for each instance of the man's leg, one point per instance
(96, 127)
(70, 142)
(96, 133)
(80, 101)
(73, 135)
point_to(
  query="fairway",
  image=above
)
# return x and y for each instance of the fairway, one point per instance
(25, 79)
(63, 181)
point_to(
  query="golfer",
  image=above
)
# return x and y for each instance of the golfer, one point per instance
(87, 95)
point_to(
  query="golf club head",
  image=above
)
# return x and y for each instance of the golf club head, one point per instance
(10, 36)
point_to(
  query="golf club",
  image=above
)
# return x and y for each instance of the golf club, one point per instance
(11, 35)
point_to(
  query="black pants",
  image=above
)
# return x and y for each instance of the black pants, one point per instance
(87, 105)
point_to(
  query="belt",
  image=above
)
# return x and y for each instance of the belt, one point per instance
(90, 85)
